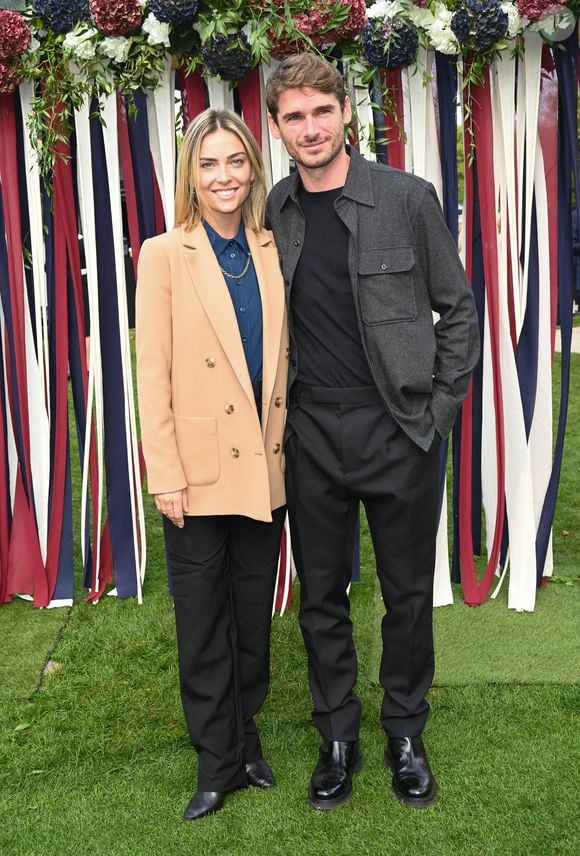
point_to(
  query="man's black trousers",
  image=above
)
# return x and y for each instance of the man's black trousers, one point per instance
(343, 446)
(223, 573)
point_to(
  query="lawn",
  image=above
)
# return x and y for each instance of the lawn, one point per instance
(94, 758)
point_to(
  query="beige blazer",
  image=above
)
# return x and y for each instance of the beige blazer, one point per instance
(199, 424)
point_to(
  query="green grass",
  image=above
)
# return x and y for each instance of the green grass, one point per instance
(97, 760)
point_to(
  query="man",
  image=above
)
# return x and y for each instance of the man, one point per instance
(374, 385)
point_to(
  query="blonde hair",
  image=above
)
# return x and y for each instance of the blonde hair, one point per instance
(188, 211)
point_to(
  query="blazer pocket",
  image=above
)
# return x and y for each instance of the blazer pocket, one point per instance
(197, 443)
(386, 285)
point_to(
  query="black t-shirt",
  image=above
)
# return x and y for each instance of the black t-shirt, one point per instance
(324, 322)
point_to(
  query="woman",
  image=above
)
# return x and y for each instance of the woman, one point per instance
(212, 355)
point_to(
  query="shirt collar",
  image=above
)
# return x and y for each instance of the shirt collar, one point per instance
(219, 243)
(358, 185)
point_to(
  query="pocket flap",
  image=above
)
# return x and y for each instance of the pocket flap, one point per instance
(386, 260)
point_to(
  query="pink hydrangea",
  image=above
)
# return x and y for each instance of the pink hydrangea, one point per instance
(14, 34)
(534, 10)
(9, 78)
(116, 18)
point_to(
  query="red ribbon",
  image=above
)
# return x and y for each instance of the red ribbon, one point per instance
(482, 128)
(249, 90)
(393, 130)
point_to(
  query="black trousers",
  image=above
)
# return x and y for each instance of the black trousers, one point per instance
(223, 573)
(342, 447)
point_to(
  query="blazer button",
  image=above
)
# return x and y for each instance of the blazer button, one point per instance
(297, 243)
(229, 408)
(276, 448)
(235, 453)
(278, 402)
(210, 362)
(383, 266)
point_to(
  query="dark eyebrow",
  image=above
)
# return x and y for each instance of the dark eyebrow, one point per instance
(320, 107)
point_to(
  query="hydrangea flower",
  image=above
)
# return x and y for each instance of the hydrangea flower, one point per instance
(533, 10)
(157, 31)
(115, 48)
(9, 78)
(390, 43)
(228, 57)
(80, 43)
(478, 24)
(116, 19)
(435, 22)
(61, 15)
(14, 34)
(174, 11)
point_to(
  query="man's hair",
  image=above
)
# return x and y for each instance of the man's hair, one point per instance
(188, 210)
(306, 70)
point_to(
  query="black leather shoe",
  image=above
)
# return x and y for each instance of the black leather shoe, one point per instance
(331, 781)
(260, 775)
(203, 803)
(413, 781)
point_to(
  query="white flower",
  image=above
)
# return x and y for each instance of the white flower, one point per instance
(385, 9)
(115, 48)
(80, 42)
(439, 31)
(157, 31)
(516, 24)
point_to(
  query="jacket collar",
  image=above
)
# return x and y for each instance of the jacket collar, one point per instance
(358, 186)
(192, 238)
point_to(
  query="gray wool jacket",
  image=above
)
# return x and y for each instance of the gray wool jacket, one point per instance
(403, 263)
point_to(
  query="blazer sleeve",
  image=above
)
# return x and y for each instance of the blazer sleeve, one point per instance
(154, 348)
(457, 330)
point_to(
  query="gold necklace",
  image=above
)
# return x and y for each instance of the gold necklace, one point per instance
(238, 275)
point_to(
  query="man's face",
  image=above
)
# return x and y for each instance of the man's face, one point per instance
(311, 126)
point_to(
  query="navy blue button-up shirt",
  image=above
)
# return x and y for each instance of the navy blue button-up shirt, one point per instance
(232, 255)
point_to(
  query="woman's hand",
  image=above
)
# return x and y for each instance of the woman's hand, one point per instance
(173, 505)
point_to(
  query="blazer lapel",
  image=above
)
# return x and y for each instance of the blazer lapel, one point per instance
(214, 296)
(267, 269)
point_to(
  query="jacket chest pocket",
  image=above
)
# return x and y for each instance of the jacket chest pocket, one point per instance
(386, 285)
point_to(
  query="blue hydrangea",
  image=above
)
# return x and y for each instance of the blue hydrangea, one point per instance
(174, 11)
(478, 24)
(61, 15)
(228, 57)
(390, 43)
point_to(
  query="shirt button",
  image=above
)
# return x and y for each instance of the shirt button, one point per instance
(229, 408)
(244, 339)
(210, 362)
(278, 402)
(232, 255)
(276, 448)
(242, 308)
(235, 453)
(297, 243)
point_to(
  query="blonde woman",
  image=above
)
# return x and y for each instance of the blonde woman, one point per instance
(212, 356)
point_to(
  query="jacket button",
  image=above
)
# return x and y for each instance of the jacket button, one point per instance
(297, 243)
(276, 448)
(383, 266)
(210, 362)
(229, 408)
(235, 453)
(278, 402)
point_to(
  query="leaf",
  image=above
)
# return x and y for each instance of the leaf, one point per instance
(22, 726)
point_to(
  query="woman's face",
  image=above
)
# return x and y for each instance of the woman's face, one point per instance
(225, 176)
